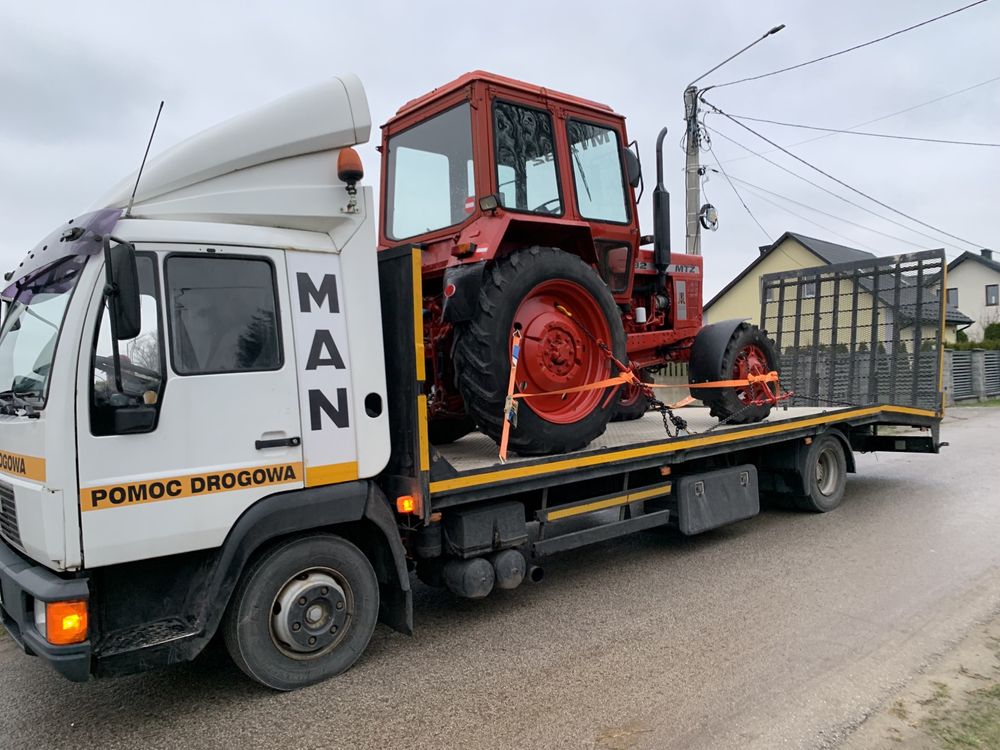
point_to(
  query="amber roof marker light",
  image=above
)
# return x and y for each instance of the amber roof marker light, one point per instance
(350, 171)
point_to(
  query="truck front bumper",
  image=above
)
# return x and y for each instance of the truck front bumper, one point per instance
(22, 582)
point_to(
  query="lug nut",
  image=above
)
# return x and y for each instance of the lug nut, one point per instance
(312, 641)
(333, 630)
(296, 626)
(340, 605)
(324, 591)
(302, 601)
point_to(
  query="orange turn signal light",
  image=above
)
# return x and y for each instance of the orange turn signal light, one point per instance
(407, 504)
(66, 622)
(463, 249)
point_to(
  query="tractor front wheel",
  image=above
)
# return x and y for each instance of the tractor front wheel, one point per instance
(562, 309)
(748, 351)
(632, 401)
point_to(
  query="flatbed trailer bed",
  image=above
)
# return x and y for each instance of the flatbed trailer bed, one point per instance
(471, 466)
(469, 506)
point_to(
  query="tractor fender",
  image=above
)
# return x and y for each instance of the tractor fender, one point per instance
(467, 280)
(708, 350)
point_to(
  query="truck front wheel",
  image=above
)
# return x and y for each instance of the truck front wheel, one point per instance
(303, 612)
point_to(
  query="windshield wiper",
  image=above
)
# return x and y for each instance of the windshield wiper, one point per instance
(583, 174)
(15, 401)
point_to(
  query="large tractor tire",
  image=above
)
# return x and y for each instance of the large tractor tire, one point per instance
(717, 356)
(523, 290)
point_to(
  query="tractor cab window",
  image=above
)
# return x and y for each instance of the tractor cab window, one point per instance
(430, 181)
(597, 172)
(526, 160)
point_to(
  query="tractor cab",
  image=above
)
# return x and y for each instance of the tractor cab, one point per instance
(494, 163)
(523, 201)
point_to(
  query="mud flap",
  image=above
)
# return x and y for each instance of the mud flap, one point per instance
(707, 352)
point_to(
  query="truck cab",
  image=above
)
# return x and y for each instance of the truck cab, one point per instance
(254, 370)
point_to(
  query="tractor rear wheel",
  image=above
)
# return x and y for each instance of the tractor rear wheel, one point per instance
(526, 290)
(748, 352)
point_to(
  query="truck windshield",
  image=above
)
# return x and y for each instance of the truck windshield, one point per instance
(430, 181)
(31, 329)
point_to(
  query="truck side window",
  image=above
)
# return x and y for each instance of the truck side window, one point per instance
(223, 314)
(526, 159)
(141, 357)
(597, 172)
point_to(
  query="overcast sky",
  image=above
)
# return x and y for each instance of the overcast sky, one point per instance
(80, 82)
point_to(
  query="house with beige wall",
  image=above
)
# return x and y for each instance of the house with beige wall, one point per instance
(741, 297)
(973, 285)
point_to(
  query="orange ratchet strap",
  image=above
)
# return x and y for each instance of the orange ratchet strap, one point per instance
(510, 405)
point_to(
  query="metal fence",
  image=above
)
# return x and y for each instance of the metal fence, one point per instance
(861, 333)
(961, 375)
(991, 372)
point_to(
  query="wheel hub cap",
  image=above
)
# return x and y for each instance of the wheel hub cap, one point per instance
(751, 361)
(310, 613)
(556, 351)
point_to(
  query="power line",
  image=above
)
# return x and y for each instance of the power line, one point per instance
(841, 182)
(849, 49)
(861, 132)
(803, 218)
(737, 192)
(839, 197)
(826, 213)
(883, 117)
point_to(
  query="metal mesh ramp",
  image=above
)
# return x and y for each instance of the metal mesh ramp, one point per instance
(861, 333)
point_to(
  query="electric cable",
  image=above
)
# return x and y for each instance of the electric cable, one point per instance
(737, 192)
(810, 221)
(830, 192)
(905, 241)
(935, 100)
(849, 49)
(865, 133)
(841, 182)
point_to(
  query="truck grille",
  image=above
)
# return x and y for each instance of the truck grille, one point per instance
(8, 515)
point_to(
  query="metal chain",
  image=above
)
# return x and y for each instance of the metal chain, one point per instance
(669, 418)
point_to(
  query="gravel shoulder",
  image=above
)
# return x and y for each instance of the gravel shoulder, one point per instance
(955, 703)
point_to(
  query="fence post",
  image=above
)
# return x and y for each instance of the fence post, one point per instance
(947, 380)
(978, 366)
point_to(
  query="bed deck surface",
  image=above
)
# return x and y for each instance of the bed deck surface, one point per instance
(477, 451)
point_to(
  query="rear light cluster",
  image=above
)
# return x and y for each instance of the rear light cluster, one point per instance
(62, 623)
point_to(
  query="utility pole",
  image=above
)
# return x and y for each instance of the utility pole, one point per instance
(692, 147)
(692, 174)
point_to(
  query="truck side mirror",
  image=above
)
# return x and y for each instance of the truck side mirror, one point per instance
(633, 169)
(122, 290)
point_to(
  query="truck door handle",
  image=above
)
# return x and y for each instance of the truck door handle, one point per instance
(277, 443)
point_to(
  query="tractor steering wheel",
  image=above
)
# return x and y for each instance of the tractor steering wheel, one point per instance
(541, 209)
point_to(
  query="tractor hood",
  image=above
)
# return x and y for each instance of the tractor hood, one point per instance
(273, 166)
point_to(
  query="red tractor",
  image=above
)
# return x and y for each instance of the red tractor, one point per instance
(522, 201)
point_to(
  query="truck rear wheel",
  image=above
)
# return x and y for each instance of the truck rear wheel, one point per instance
(523, 290)
(824, 475)
(303, 612)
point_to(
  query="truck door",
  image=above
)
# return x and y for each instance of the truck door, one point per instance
(215, 360)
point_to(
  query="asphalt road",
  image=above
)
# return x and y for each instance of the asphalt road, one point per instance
(782, 631)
